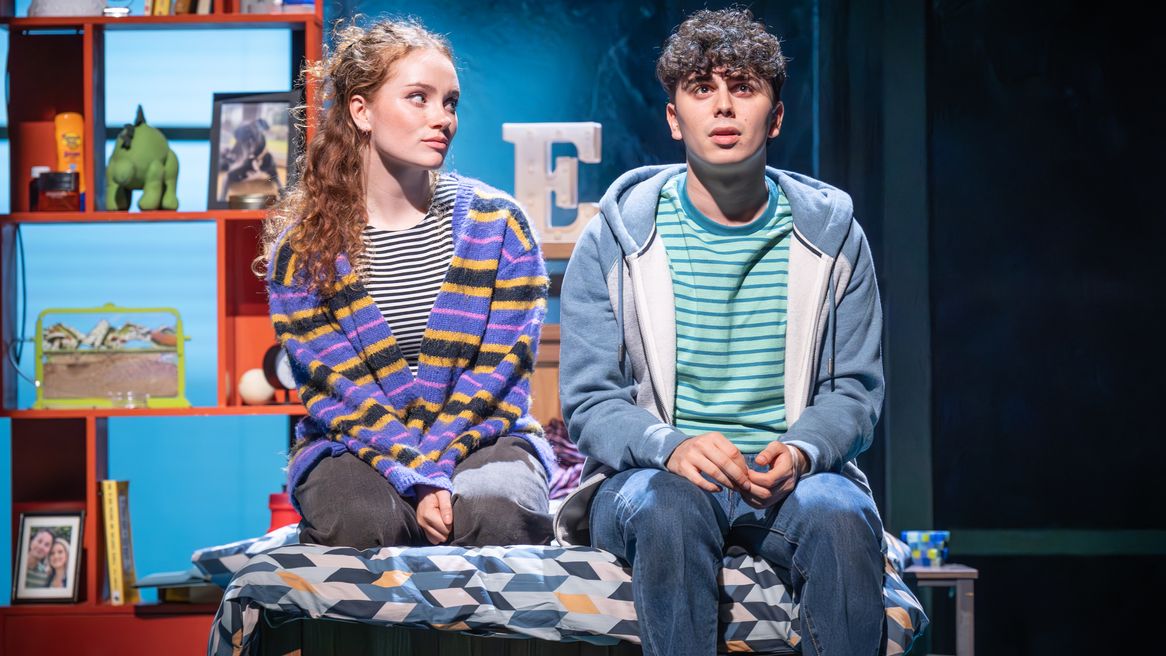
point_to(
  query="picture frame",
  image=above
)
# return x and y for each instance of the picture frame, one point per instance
(255, 141)
(48, 557)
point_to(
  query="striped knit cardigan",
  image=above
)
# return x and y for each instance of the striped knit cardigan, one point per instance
(477, 355)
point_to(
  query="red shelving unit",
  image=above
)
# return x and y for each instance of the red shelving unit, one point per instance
(130, 217)
(70, 52)
(214, 21)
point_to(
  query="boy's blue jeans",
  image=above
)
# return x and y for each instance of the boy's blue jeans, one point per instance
(824, 541)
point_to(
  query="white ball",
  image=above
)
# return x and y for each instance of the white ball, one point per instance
(254, 388)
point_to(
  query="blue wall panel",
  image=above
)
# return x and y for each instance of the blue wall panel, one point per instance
(521, 61)
(141, 67)
(5, 197)
(195, 481)
(143, 265)
(5, 510)
(4, 90)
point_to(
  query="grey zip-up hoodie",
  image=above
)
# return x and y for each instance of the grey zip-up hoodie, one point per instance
(617, 367)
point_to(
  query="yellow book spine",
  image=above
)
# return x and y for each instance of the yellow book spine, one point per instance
(129, 574)
(113, 564)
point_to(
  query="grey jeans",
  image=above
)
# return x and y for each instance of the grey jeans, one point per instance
(499, 498)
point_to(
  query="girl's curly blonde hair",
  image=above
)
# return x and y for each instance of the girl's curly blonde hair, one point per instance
(326, 205)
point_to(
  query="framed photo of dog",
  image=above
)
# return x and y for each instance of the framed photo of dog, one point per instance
(254, 144)
(48, 557)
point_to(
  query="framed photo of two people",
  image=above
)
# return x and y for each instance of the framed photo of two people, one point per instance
(48, 557)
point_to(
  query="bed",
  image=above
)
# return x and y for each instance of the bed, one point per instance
(560, 594)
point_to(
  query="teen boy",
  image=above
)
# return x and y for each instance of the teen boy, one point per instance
(721, 365)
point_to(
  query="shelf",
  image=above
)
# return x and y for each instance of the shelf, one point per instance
(184, 22)
(174, 609)
(58, 64)
(85, 608)
(290, 409)
(102, 629)
(66, 609)
(160, 216)
(949, 571)
(47, 506)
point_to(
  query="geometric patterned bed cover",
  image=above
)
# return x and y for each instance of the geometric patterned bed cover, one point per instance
(552, 593)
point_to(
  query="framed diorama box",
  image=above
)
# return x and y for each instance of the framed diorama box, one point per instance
(48, 557)
(254, 143)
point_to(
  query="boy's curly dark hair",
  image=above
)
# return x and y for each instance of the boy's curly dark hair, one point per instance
(726, 39)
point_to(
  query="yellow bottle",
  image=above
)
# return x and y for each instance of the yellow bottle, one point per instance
(70, 130)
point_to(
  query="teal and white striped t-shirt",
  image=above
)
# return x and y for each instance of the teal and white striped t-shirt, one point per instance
(731, 286)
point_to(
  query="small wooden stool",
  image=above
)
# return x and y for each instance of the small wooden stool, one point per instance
(963, 579)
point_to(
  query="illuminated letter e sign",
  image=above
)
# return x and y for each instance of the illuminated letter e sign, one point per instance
(534, 179)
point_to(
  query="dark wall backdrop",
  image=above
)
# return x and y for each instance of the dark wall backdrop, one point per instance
(1047, 223)
(522, 61)
(1028, 137)
(1046, 157)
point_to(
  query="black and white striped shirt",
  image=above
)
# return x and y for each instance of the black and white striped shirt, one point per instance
(405, 268)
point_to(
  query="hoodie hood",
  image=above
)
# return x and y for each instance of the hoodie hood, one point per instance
(822, 214)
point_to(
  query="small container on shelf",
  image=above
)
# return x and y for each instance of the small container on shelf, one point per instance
(69, 130)
(58, 191)
(34, 185)
(250, 201)
(283, 512)
(298, 7)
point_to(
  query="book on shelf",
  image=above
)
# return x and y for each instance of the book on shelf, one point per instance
(183, 587)
(257, 7)
(204, 6)
(276, 6)
(160, 8)
(119, 548)
(206, 593)
(298, 7)
(183, 7)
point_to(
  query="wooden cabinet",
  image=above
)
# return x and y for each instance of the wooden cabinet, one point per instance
(56, 65)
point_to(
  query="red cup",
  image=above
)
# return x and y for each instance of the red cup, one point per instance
(282, 511)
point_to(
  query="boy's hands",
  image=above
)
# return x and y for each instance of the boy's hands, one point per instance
(711, 454)
(434, 513)
(786, 464)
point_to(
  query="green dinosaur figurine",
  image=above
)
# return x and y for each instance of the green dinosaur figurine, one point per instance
(141, 159)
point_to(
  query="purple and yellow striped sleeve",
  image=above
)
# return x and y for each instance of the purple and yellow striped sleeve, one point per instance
(509, 294)
(336, 380)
